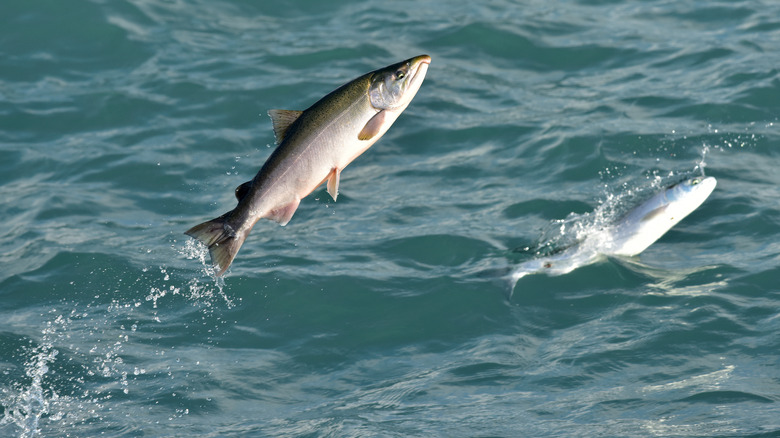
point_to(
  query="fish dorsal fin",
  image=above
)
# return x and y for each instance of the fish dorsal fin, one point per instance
(282, 119)
(373, 126)
(653, 213)
(243, 189)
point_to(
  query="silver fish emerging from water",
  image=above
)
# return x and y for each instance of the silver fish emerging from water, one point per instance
(315, 145)
(629, 236)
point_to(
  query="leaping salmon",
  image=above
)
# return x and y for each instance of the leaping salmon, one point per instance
(314, 146)
(631, 235)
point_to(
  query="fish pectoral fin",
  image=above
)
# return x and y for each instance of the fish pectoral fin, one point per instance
(333, 182)
(373, 126)
(281, 120)
(283, 214)
(243, 189)
(653, 213)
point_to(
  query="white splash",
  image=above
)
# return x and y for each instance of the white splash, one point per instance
(26, 404)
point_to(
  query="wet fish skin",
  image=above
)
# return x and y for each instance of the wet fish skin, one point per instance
(314, 146)
(645, 224)
(630, 235)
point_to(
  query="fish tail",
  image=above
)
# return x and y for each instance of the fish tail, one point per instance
(509, 289)
(222, 239)
(511, 282)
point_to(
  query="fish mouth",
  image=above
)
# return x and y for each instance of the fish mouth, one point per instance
(708, 184)
(419, 67)
(422, 58)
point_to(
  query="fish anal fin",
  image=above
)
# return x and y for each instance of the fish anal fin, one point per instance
(243, 189)
(333, 182)
(373, 127)
(653, 213)
(282, 119)
(283, 214)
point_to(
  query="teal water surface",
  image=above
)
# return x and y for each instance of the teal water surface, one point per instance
(124, 123)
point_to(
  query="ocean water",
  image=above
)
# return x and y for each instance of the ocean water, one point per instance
(123, 123)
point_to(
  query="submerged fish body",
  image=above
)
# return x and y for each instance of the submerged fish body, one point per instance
(630, 235)
(314, 146)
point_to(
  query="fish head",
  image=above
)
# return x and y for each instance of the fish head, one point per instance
(686, 196)
(393, 87)
(651, 220)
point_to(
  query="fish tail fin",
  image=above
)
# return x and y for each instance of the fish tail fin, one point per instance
(222, 240)
(511, 282)
(511, 279)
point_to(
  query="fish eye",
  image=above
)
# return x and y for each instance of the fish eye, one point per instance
(400, 74)
(695, 181)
